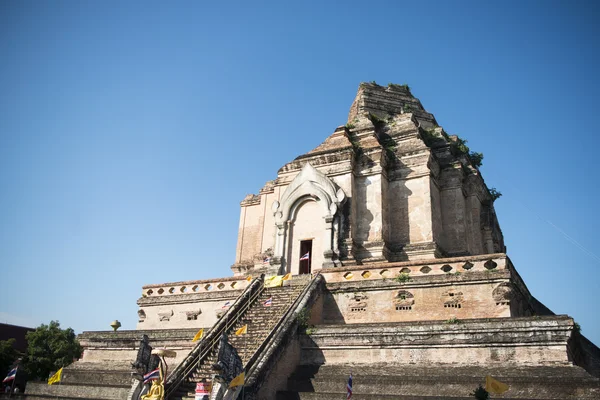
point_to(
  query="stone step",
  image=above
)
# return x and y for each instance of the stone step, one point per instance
(437, 371)
(567, 382)
(97, 377)
(66, 391)
(287, 395)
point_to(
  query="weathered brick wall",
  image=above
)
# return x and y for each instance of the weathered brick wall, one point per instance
(505, 341)
(188, 304)
(414, 302)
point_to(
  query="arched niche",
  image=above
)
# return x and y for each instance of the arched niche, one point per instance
(308, 210)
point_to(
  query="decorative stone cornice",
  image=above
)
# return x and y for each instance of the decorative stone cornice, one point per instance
(250, 200)
(487, 331)
(188, 298)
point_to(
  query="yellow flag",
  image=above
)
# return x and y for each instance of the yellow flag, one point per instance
(242, 330)
(274, 281)
(249, 278)
(494, 386)
(198, 335)
(287, 277)
(238, 380)
(56, 377)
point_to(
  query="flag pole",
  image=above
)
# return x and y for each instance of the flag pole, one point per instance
(12, 386)
(243, 370)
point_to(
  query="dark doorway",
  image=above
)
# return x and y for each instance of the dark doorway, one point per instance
(305, 256)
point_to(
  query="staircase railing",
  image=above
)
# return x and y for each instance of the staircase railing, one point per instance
(211, 340)
(256, 367)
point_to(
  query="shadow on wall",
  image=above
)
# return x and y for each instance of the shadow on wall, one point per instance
(392, 199)
(331, 310)
(396, 213)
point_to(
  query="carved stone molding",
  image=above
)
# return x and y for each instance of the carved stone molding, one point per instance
(192, 315)
(404, 298)
(503, 294)
(357, 303)
(452, 298)
(165, 316)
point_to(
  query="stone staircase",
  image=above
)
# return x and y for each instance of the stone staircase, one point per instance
(438, 382)
(261, 320)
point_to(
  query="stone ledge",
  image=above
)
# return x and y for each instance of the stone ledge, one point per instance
(525, 329)
(465, 278)
(188, 298)
(186, 283)
(492, 341)
(77, 391)
(430, 381)
(154, 334)
(482, 257)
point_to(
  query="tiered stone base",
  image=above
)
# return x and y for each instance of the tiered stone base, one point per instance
(105, 370)
(493, 341)
(438, 382)
(437, 359)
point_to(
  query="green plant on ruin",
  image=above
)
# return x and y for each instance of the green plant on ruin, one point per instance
(402, 277)
(406, 108)
(389, 145)
(310, 330)
(459, 146)
(349, 126)
(453, 321)
(358, 150)
(429, 136)
(375, 83)
(396, 86)
(457, 273)
(576, 327)
(466, 170)
(492, 271)
(302, 319)
(495, 194)
(377, 122)
(480, 393)
(476, 158)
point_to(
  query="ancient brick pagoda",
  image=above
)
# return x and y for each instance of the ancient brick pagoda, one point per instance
(400, 275)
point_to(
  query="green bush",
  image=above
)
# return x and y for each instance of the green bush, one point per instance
(480, 393)
(476, 158)
(402, 277)
(495, 194)
(49, 349)
(460, 146)
(302, 318)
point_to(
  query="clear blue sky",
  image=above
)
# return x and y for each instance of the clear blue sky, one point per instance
(130, 132)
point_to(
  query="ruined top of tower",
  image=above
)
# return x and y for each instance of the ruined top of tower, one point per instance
(389, 185)
(386, 101)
